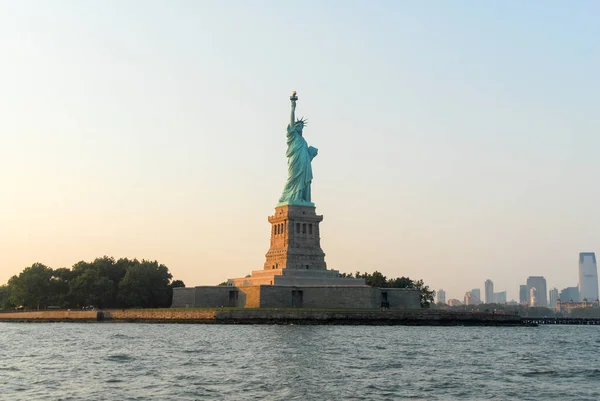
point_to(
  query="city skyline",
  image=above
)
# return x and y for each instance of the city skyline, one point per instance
(587, 276)
(461, 131)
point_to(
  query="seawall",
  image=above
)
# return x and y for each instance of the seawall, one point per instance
(271, 316)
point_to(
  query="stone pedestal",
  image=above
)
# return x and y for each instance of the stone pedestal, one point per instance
(295, 257)
(295, 239)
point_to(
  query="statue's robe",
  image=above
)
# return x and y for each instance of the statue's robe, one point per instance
(299, 154)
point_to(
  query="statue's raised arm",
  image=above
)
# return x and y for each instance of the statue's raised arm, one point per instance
(293, 98)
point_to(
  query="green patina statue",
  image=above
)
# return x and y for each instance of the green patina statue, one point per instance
(299, 154)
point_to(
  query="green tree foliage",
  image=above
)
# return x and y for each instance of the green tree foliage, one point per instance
(589, 312)
(377, 279)
(4, 297)
(32, 287)
(177, 284)
(103, 283)
(145, 284)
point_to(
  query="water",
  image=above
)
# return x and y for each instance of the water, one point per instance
(112, 361)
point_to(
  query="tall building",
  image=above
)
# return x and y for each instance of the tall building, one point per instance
(476, 292)
(532, 299)
(523, 294)
(471, 299)
(489, 291)
(588, 276)
(553, 296)
(454, 302)
(541, 294)
(441, 296)
(500, 297)
(569, 294)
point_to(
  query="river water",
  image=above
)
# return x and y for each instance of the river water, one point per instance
(126, 361)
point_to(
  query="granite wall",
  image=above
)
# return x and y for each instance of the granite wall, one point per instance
(267, 296)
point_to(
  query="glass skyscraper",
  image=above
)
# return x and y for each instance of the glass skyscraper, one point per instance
(588, 276)
(489, 291)
(523, 294)
(541, 295)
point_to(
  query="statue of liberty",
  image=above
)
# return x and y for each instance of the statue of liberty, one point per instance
(299, 154)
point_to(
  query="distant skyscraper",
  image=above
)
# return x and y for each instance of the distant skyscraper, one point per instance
(500, 297)
(532, 299)
(476, 292)
(471, 299)
(588, 276)
(454, 302)
(569, 294)
(553, 295)
(489, 291)
(523, 294)
(541, 295)
(441, 296)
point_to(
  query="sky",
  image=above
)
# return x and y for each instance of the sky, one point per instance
(458, 141)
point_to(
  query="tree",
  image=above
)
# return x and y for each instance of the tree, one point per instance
(589, 312)
(146, 284)
(377, 279)
(401, 282)
(374, 280)
(90, 288)
(177, 284)
(32, 287)
(427, 295)
(59, 287)
(104, 283)
(4, 297)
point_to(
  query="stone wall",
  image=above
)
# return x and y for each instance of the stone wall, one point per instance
(160, 314)
(249, 297)
(203, 297)
(267, 296)
(183, 297)
(60, 315)
(317, 297)
(270, 316)
(216, 297)
(402, 298)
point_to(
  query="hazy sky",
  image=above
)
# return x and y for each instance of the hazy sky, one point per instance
(458, 141)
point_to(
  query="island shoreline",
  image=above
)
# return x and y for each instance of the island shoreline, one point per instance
(271, 317)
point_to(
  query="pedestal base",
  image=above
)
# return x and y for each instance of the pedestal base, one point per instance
(279, 296)
(295, 277)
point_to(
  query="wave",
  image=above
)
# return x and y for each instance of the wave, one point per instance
(540, 373)
(593, 373)
(125, 336)
(120, 358)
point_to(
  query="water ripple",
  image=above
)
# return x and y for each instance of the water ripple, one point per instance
(205, 362)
